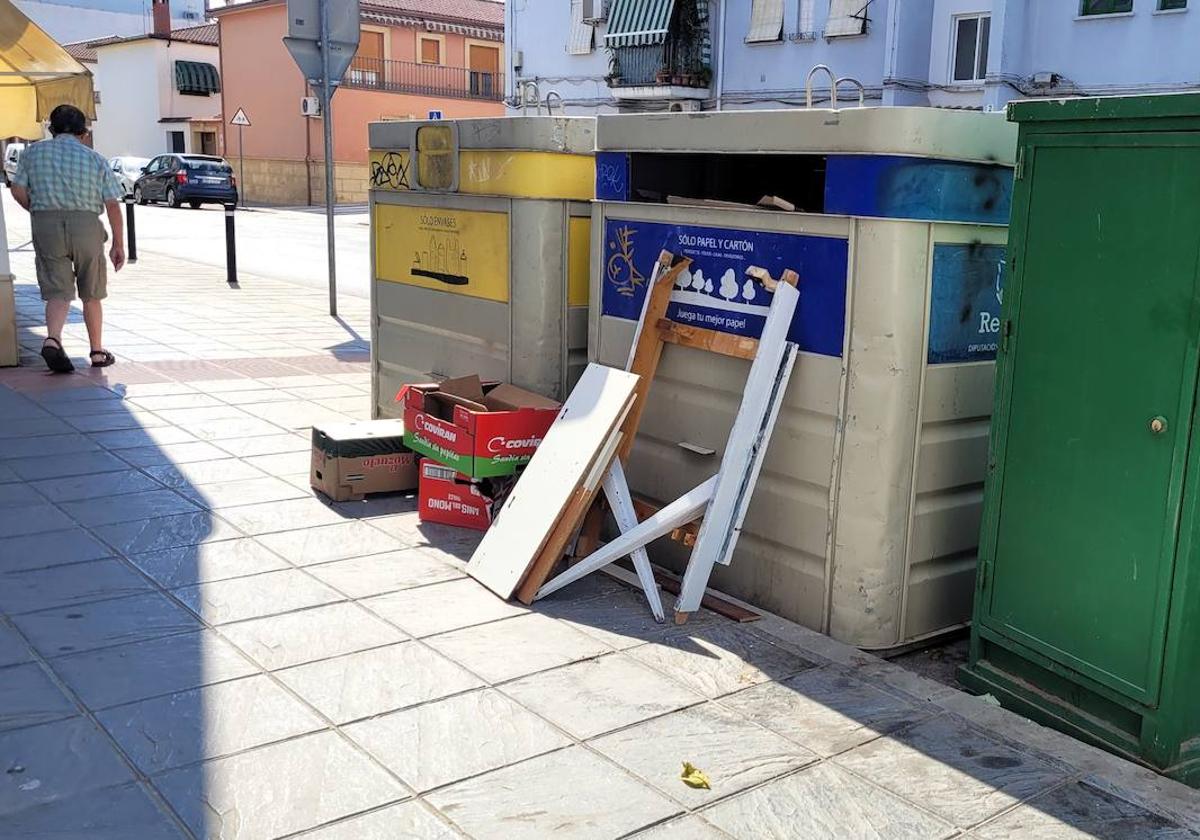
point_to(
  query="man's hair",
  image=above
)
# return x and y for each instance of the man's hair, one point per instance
(67, 119)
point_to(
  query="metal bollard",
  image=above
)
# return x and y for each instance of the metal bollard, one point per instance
(130, 230)
(231, 276)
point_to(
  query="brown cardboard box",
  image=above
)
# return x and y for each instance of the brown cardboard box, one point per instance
(350, 460)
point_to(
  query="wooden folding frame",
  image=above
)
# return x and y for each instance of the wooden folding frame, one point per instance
(723, 499)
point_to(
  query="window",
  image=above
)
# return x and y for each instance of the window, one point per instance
(583, 33)
(175, 140)
(971, 48)
(1172, 5)
(766, 22)
(367, 67)
(483, 63)
(806, 29)
(847, 17)
(1105, 7)
(430, 50)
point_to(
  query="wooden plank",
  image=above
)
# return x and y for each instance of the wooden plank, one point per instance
(685, 534)
(616, 490)
(748, 440)
(588, 419)
(684, 509)
(644, 353)
(727, 344)
(568, 523)
(716, 603)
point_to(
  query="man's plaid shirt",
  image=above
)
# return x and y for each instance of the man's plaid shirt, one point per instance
(64, 174)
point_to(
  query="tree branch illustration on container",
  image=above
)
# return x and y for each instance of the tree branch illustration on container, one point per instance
(619, 269)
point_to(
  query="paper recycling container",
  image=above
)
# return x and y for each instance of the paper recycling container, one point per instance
(865, 519)
(1087, 614)
(480, 234)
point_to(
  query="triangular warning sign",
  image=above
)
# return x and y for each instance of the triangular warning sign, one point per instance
(240, 118)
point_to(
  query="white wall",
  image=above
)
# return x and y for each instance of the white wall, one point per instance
(541, 30)
(136, 81)
(80, 20)
(944, 91)
(171, 102)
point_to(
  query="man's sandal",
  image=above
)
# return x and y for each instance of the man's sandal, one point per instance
(102, 358)
(57, 360)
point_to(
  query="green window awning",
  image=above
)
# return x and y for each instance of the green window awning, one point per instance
(196, 77)
(636, 23)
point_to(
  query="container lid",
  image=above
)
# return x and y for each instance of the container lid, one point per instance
(569, 135)
(1152, 106)
(916, 132)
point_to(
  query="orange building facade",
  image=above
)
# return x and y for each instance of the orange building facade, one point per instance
(415, 57)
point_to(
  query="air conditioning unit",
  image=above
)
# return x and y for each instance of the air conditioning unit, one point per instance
(684, 106)
(310, 106)
(595, 11)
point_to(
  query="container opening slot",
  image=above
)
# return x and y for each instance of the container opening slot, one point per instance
(741, 179)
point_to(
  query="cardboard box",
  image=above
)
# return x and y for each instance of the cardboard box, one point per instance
(451, 498)
(479, 429)
(352, 459)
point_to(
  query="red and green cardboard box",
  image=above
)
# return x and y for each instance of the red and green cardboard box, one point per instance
(480, 430)
(451, 498)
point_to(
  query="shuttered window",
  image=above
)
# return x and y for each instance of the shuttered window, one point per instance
(196, 78)
(766, 21)
(582, 34)
(846, 17)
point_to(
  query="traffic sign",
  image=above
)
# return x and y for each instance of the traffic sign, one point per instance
(304, 37)
(435, 115)
(240, 118)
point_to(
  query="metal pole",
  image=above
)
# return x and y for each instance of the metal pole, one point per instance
(231, 275)
(241, 169)
(327, 121)
(130, 229)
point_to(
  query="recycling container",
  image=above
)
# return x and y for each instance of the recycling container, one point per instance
(1087, 607)
(9, 350)
(865, 519)
(479, 240)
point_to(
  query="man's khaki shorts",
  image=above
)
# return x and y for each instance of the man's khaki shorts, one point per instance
(69, 246)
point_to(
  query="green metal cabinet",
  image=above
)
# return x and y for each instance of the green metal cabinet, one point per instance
(1087, 610)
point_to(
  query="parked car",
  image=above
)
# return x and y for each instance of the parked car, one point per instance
(12, 157)
(186, 179)
(128, 170)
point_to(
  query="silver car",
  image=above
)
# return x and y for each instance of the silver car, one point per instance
(128, 170)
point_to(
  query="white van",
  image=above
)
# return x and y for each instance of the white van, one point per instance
(12, 156)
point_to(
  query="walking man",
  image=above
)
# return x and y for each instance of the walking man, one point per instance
(65, 186)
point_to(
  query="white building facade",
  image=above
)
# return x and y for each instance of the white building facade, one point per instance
(157, 94)
(731, 54)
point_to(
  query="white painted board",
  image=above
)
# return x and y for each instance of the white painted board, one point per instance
(563, 461)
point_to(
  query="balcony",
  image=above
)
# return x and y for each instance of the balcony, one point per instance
(658, 71)
(424, 79)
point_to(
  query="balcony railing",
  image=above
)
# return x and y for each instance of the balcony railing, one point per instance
(657, 64)
(424, 79)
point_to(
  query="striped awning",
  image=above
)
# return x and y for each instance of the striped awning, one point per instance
(637, 23)
(197, 77)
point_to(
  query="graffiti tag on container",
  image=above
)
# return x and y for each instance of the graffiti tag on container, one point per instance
(620, 269)
(390, 172)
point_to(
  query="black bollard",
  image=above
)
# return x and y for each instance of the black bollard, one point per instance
(130, 230)
(230, 247)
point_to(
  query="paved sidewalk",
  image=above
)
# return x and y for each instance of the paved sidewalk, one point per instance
(193, 645)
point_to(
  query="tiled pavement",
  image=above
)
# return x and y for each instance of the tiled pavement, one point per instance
(193, 645)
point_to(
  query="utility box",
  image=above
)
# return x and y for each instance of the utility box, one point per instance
(1087, 607)
(480, 240)
(865, 520)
